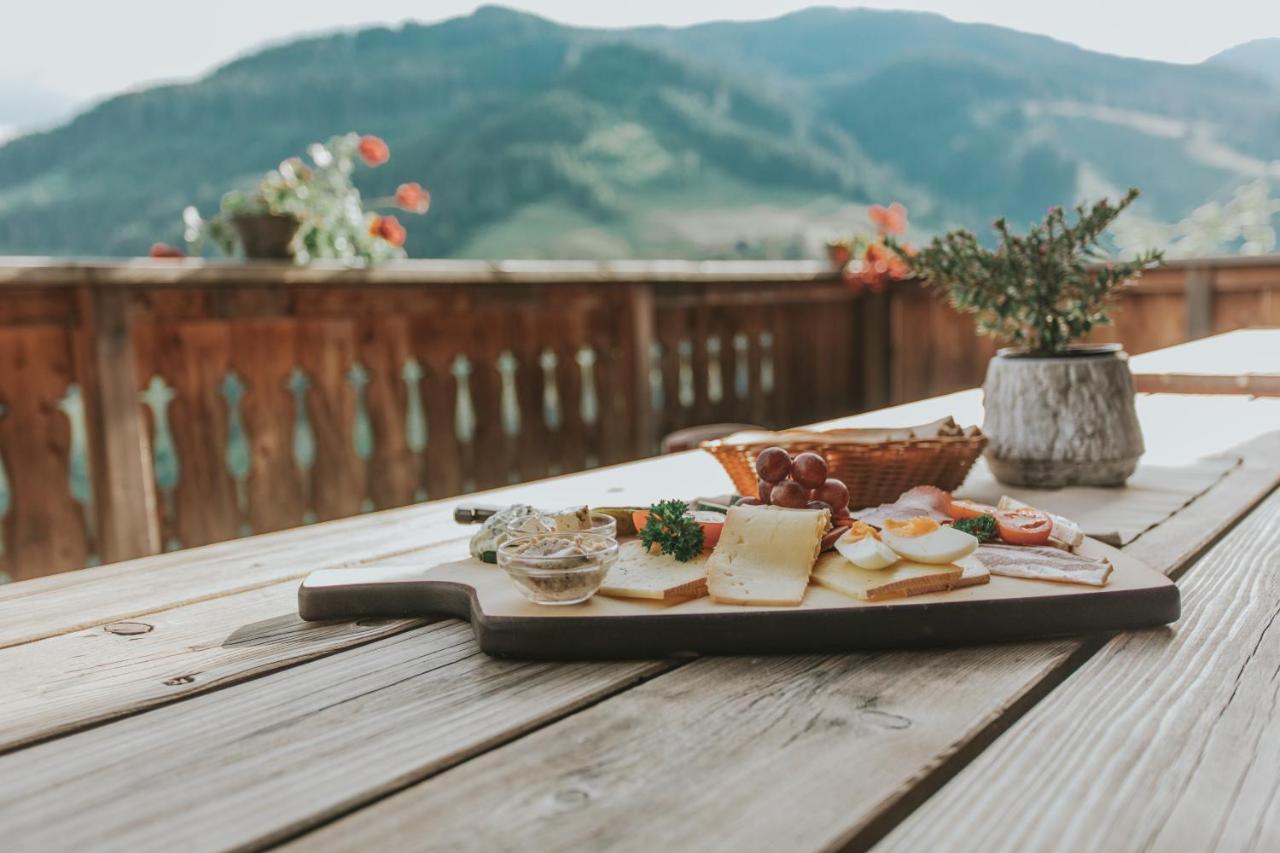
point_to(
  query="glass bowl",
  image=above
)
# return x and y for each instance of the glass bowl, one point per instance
(558, 568)
(606, 525)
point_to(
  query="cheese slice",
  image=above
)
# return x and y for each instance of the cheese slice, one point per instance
(974, 572)
(765, 555)
(637, 573)
(901, 579)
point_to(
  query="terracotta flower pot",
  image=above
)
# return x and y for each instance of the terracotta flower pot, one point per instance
(266, 236)
(1062, 420)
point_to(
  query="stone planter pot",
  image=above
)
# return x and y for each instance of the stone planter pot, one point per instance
(1066, 420)
(266, 236)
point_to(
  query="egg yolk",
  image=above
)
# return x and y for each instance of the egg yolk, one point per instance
(861, 530)
(910, 528)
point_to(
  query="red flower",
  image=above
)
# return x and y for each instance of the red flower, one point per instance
(889, 220)
(164, 250)
(373, 150)
(389, 229)
(413, 198)
(839, 253)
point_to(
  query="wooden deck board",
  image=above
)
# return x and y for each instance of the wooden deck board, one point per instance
(853, 743)
(64, 683)
(358, 744)
(1166, 740)
(260, 761)
(30, 611)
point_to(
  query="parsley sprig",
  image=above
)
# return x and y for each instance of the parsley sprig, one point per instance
(982, 526)
(672, 530)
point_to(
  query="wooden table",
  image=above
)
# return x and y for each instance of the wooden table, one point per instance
(1243, 362)
(177, 702)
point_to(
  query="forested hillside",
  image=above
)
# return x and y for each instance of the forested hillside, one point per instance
(727, 139)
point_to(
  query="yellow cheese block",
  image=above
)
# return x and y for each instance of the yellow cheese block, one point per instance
(641, 574)
(765, 555)
(974, 572)
(901, 579)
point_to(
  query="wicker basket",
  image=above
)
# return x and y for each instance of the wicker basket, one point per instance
(875, 473)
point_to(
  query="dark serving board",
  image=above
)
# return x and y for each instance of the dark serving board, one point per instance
(507, 625)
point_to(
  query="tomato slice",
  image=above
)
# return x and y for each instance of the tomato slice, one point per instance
(712, 523)
(969, 509)
(1023, 526)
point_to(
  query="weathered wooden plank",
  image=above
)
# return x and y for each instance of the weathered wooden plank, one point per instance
(570, 441)
(534, 439)
(58, 604)
(852, 743)
(436, 347)
(634, 348)
(1165, 740)
(484, 345)
(757, 753)
(264, 355)
(384, 351)
(121, 477)
(327, 352)
(43, 527)
(260, 761)
(74, 680)
(195, 359)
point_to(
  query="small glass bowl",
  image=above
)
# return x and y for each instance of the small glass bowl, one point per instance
(557, 578)
(605, 525)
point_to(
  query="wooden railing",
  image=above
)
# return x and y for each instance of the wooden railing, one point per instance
(158, 405)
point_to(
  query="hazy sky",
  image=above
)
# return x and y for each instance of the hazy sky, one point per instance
(89, 48)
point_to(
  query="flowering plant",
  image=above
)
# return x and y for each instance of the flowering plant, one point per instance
(333, 222)
(867, 262)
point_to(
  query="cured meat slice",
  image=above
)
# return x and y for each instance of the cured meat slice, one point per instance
(1044, 563)
(921, 500)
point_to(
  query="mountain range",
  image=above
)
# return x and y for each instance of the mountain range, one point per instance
(751, 139)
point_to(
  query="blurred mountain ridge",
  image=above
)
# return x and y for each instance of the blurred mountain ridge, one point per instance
(753, 139)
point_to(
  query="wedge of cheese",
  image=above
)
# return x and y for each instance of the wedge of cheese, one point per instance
(641, 574)
(901, 579)
(974, 572)
(765, 555)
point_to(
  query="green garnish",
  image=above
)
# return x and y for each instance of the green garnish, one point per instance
(672, 530)
(982, 526)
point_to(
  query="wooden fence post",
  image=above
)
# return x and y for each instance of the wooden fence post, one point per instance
(1199, 302)
(639, 342)
(124, 492)
(874, 349)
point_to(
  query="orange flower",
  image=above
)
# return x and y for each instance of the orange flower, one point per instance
(389, 229)
(889, 220)
(164, 250)
(413, 198)
(373, 150)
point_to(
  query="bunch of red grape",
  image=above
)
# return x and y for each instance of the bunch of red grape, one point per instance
(799, 483)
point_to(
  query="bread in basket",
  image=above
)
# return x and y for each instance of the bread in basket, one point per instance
(877, 465)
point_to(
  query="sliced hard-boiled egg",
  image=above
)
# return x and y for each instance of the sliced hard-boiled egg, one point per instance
(866, 552)
(928, 542)
(917, 526)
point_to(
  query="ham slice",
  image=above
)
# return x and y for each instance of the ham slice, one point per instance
(1044, 563)
(921, 500)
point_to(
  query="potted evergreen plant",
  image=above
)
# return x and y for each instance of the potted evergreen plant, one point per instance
(1059, 412)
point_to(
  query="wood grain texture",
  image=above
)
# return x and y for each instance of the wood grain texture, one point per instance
(68, 682)
(1166, 740)
(43, 528)
(264, 354)
(260, 761)
(778, 753)
(121, 476)
(853, 743)
(58, 604)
